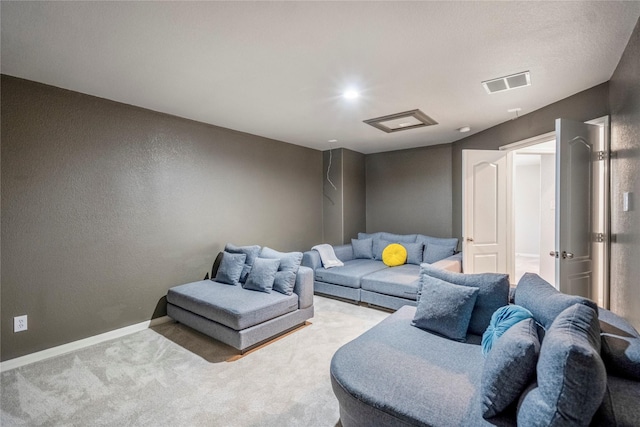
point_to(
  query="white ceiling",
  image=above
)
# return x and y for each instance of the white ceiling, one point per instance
(277, 69)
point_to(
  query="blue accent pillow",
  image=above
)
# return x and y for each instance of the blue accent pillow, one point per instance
(445, 308)
(230, 268)
(434, 253)
(572, 379)
(510, 367)
(493, 292)
(362, 248)
(414, 252)
(262, 275)
(502, 319)
(250, 251)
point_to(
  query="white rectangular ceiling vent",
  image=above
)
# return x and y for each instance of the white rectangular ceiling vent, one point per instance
(508, 82)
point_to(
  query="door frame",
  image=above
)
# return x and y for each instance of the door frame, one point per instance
(604, 123)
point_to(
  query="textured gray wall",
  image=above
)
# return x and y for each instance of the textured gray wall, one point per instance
(353, 170)
(586, 105)
(624, 95)
(105, 206)
(409, 191)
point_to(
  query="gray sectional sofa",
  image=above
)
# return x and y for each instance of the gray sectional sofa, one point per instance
(241, 317)
(364, 277)
(586, 371)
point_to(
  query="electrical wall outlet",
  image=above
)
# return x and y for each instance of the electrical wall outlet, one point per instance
(20, 323)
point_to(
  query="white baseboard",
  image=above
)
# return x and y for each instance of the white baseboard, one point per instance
(77, 345)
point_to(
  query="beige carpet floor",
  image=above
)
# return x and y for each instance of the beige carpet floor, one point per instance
(171, 375)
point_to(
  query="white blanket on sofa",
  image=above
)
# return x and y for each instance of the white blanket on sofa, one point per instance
(328, 256)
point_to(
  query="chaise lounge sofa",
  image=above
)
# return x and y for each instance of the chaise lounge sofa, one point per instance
(586, 371)
(242, 312)
(364, 276)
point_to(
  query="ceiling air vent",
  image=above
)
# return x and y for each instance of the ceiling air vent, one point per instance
(401, 121)
(509, 82)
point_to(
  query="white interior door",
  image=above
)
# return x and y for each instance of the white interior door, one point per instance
(576, 207)
(486, 211)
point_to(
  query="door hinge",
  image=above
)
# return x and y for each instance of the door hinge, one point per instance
(599, 237)
(601, 155)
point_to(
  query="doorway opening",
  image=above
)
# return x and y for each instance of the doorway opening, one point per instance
(534, 185)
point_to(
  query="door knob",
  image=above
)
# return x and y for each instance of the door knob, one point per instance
(567, 255)
(554, 254)
(469, 239)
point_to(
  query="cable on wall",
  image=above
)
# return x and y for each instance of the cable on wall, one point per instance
(329, 166)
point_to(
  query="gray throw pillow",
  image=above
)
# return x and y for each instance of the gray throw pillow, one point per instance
(571, 375)
(445, 308)
(493, 292)
(378, 248)
(620, 345)
(230, 268)
(284, 282)
(250, 251)
(510, 367)
(289, 261)
(262, 275)
(543, 300)
(434, 253)
(414, 252)
(362, 248)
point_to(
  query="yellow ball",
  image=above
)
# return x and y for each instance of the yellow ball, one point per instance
(394, 255)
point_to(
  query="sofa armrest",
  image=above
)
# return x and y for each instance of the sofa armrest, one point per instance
(311, 259)
(304, 287)
(452, 263)
(344, 252)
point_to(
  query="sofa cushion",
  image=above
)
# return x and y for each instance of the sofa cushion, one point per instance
(362, 248)
(350, 274)
(620, 345)
(543, 300)
(510, 367)
(620, 404)
(434, 253)
(493, 292)
(445, 308)
(398, 238)
(502, 319)
(230, 268)
(250, 251)
(401, 281)
(414, 376)
(231, 306)
(262, 275)
(571, 375)
(394, 255)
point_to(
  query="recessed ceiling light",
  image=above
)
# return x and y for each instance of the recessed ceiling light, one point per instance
(514, 110)
(350, 94)
(464, 129)
(332, 140)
